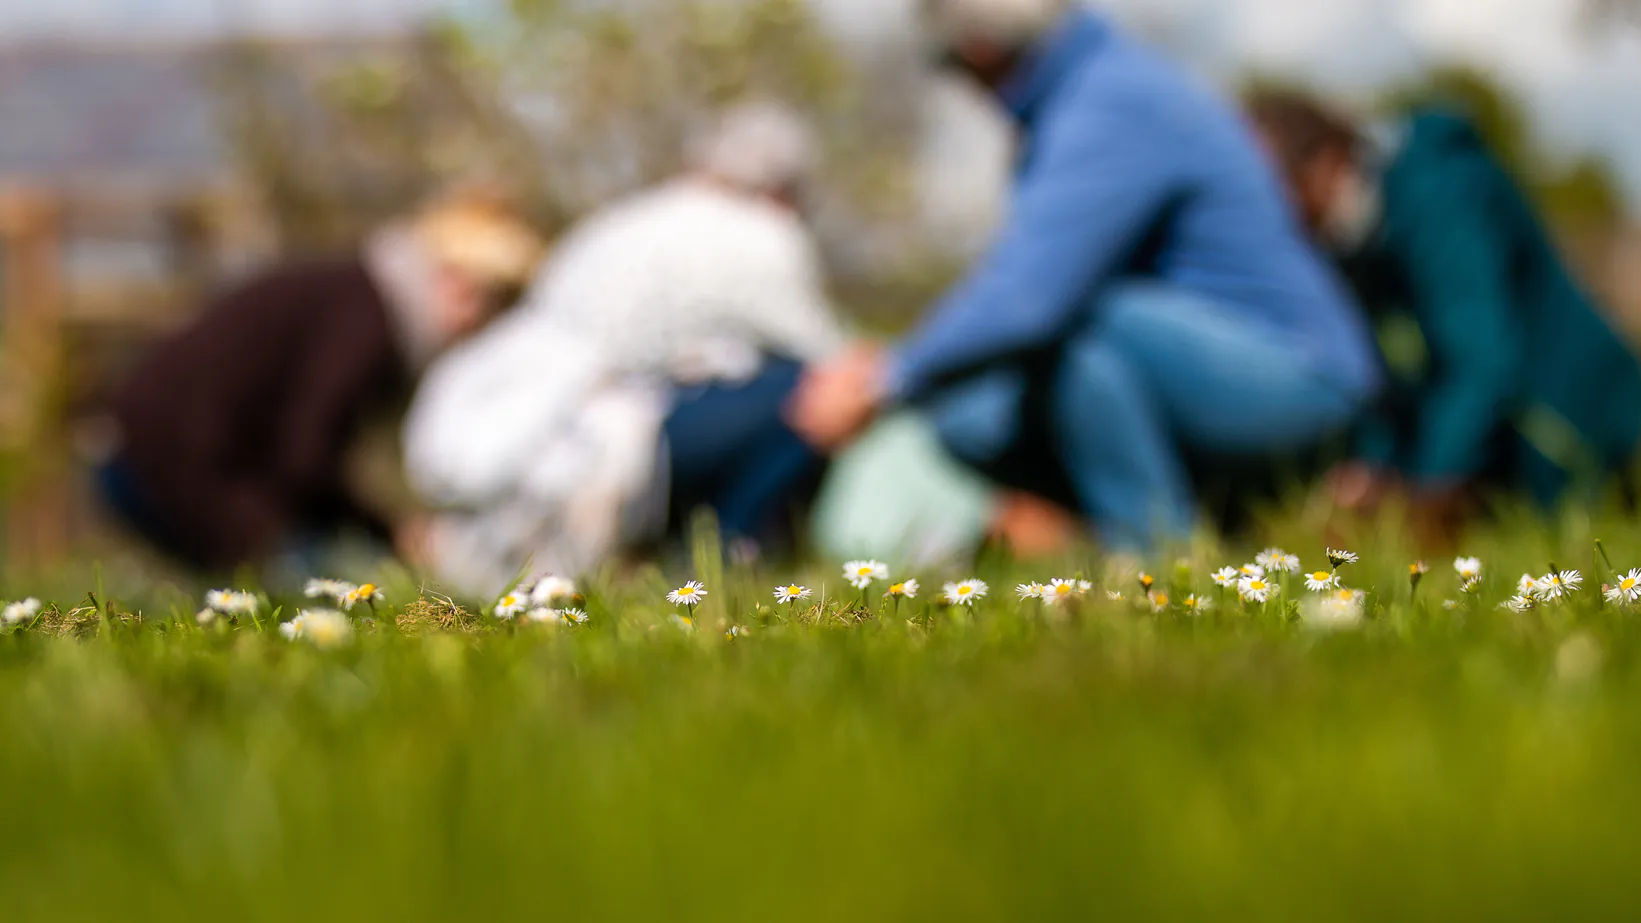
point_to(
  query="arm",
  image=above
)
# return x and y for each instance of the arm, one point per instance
(790, 312)
(1094, 189)
(1459, 273)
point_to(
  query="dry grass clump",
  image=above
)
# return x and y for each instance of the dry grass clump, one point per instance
(439, 615)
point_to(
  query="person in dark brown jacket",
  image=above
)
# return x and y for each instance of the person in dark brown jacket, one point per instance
(231, 433)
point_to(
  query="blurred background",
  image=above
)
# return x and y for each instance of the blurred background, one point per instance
(152, 150)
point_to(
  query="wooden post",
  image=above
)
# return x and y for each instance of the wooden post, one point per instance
(31, 246)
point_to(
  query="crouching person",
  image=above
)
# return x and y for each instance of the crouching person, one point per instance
(643, 377)
(1150, 295)
(1505, 373)
(231, 433)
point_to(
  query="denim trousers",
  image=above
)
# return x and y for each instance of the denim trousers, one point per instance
(1103, 420)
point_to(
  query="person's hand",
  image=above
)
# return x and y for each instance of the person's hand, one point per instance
(837, 399)
(1359, 487)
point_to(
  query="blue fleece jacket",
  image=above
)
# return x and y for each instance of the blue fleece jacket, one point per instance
(1131, 171)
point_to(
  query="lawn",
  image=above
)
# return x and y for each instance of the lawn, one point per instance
(1013, 760)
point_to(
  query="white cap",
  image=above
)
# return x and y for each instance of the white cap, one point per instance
(759, 146)
(1008, 22)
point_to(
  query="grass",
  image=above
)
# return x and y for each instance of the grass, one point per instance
(1114, 763)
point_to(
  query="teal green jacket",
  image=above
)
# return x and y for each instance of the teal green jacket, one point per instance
(1484, 332)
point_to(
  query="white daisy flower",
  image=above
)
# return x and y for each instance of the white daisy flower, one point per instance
(1083, 586)
(1527, 585)
(1255, 589)
(335, 590)
(1521, 602)
(860, 574)
(1115, 596)
(1030, 590)
(1627, 589)
(1158, 601)
(231, 602)
(905, 588)
(736, 631)
(1559, 584)
(683, 622)
(542, 615)
(574, 616)
(1146, 581)
(1059, 590)
(1471, 586)
(1338, 557)
(1321, 581)
(511, 605)
(1250, 570)
(1467, 568)
(22, 610)
(1196, 605)
(1450, 604)
(965, 592)
(1333, 611)
(550, 589)
(1285, 563)
(1269, 558)
(791, 593)
(368, 593)
(690, 594)
(323, 628)
(205, 616)
(1226, 576)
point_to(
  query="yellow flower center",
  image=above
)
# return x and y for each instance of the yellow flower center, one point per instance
(686, 591)
(1256, 585)
(1321, 575)
(1161, 599)
(509, 601)
(1146, 580)
(864, 572)
(1063, 589)
(897, 589)
(964, 590)
(1628, 583)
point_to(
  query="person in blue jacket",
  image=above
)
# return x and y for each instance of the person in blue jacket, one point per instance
(1504, 372)
(1150, 296)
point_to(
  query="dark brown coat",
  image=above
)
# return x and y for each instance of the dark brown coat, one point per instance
(234, 429)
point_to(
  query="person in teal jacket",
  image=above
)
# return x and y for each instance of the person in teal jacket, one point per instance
(1504, 373)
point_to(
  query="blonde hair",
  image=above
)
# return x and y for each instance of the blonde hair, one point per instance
(477, 233)
(1012, 23)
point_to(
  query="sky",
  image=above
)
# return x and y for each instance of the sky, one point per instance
(1583, 88)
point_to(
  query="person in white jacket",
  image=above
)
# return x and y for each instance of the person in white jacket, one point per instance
(643, 376)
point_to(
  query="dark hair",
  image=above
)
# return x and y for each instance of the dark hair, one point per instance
(1298, 128)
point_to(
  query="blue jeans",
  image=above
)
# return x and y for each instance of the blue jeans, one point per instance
(730, 451)
(1103, 421)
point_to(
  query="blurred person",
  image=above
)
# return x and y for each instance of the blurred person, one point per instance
(1503, 370)
(644, 375)
(231, 434)
(1149, 296)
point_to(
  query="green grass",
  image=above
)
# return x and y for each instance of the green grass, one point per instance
(1117, 763)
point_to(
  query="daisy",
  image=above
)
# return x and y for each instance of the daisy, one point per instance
(1321, 581)
(690, 594)
(1333, 611)
(791, 593)
(1527, 585)
(1158, 600)
(321, 627)
(1285, 563)
(544, 616)
(1083, 586)
(1115, 596)
(1339, 557)
(1467, 568)
(1269, 557)
(1471, 586)
(367, 593)
(1450, 604)
(550, 589)
(1416, 572)
(1146, 580)
(574, 616)
(336, 590)
(1031, 590)
(1196, 605)
(1250, 570)
(684, 622)
(1254, 589)
(1061, 590)
(736, 631)
(231, 602)
(905, 588)
(1627, 589)
(1521, 602)
(1226, 576)
(20, 611)
(511, 605)
(860, 574)
(1559, 584)
(966, 592)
